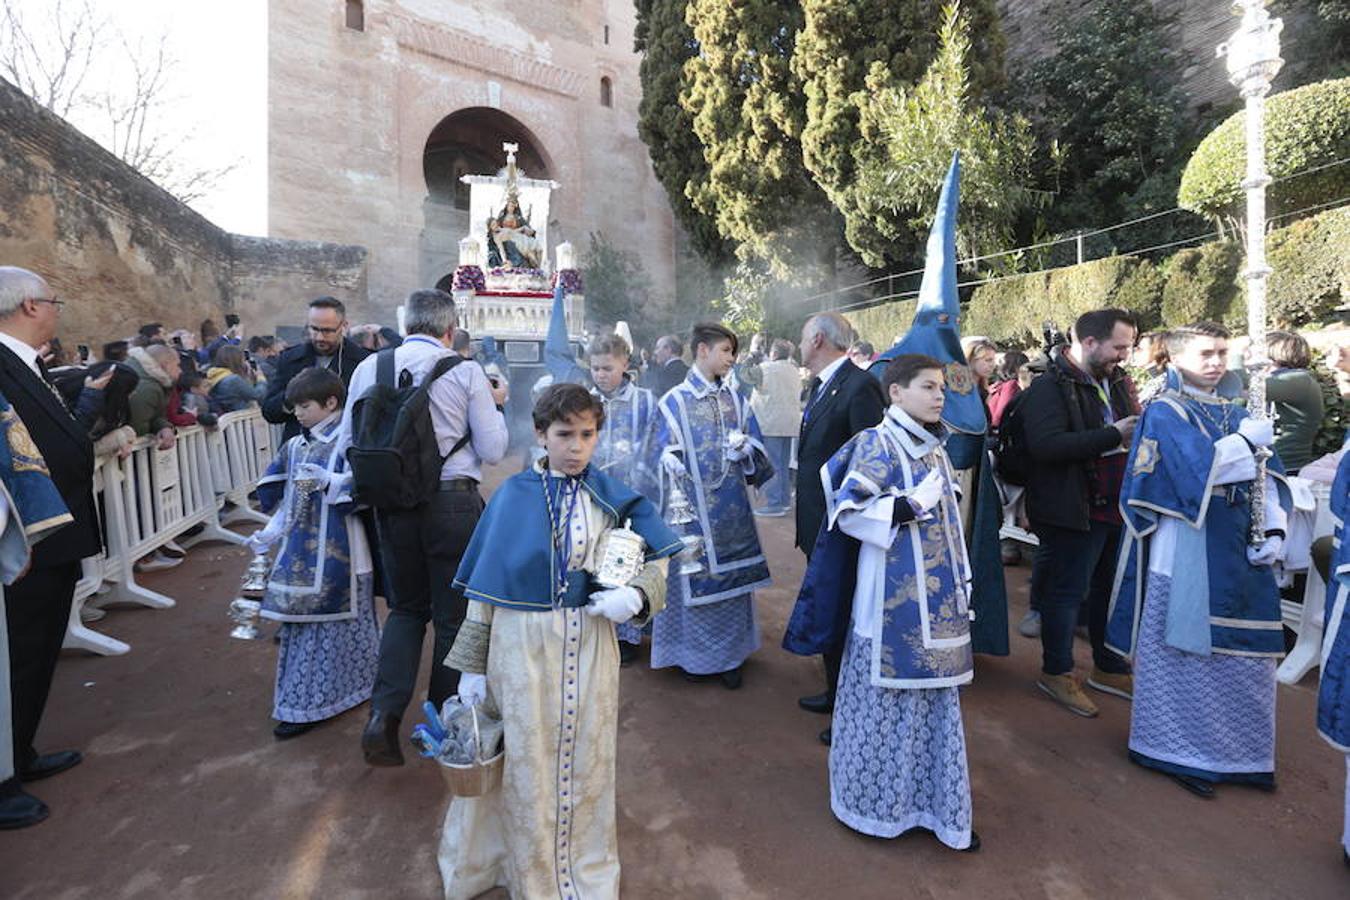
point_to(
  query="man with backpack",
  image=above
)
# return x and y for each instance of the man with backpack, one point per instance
(420, 423)
(1067, 436)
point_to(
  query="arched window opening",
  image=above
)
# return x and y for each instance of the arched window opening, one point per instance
(606, 91)
(356, 15)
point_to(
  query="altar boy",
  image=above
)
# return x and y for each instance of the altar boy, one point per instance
(893, 541)
(320, 585)
(628, 415)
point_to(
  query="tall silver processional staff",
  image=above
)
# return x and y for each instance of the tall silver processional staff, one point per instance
(1253, 55)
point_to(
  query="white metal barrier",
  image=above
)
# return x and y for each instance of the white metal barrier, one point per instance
(153, 496)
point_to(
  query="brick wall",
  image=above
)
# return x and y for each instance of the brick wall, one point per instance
(122, 251)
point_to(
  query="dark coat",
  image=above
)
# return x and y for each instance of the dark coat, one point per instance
(70, 458)
(291, 362)
(1063, 442)
(660, 379)
(852, 401)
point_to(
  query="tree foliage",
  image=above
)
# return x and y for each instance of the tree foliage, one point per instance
(1108, 99)
(618, 287)
(1307, 129)
(666, 42)
(840, 45)
(910, 135)
(747, 114)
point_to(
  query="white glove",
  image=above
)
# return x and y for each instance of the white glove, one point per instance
(928, 492)
(258, 542)
(1258, 432)
(1271, 549)
(671, 461)
(615, 604)
(472, 688)
(312, 472)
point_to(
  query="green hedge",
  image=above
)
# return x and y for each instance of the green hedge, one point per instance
(1013, 309)
(882, 324)
(1201, 283)
(1305, 128)
(1311, 281)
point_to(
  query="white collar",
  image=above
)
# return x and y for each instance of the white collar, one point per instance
(325, 429)
(913, 436)
(22, 350)
(827, 373)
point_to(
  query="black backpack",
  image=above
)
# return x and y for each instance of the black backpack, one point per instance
(394, 458)
(1012, 460)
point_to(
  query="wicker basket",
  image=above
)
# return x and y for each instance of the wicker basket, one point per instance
(476, 778)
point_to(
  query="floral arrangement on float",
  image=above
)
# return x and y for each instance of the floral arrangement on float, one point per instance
(469, 278)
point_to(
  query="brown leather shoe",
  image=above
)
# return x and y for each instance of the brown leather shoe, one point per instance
(379, 742)
(1065, 690)
(1121, 684)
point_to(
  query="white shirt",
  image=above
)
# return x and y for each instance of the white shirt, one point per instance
(22, 350)
(461, 398)
(827, 374)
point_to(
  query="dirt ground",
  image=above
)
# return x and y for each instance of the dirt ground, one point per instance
(184, 792)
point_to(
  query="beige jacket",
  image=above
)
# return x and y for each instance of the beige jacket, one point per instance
(777, 401)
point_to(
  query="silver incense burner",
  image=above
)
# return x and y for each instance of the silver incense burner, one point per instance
(246, 609)
(618, 556)
(679, 513)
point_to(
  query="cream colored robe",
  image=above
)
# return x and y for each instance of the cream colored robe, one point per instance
(549, 831)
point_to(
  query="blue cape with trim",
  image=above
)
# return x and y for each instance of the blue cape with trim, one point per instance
(510, 562)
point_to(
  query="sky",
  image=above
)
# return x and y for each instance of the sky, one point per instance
(218, 94)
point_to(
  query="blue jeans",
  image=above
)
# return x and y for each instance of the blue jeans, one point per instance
(1074, 569)
(777, 493)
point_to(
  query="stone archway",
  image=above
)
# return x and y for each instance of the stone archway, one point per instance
(466, 142)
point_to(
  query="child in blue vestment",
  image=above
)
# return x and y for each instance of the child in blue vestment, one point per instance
(320, 587)
(893, 542)
(538, 646)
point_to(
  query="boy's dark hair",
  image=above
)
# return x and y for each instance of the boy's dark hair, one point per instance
(149, 330)
(560, 402)
(609, 345)
(1099, 323)
(712, 333)
(329, 303)
(1177, 338)
(317, 384)
(905, 368)
(115, 351)
(260, 342)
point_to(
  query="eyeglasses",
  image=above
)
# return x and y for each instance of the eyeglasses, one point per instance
(325, 332)
(52, 300)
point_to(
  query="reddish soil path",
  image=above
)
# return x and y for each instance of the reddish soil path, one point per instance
(184, 792)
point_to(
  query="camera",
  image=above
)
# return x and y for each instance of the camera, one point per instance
(83, 350)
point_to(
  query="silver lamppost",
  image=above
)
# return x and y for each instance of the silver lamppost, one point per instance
(1253, 58)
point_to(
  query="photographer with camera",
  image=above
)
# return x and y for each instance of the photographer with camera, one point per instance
(1077, 424)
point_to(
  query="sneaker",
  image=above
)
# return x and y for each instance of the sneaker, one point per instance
(171, 549)
(157, 562)
(91, 613)
(1121, 684)
(771, 512)
(1030, 626)
(1065, 691)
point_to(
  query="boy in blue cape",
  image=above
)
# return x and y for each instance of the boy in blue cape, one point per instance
(538, 646)
(1195, 604)
(320, 587)
(619, 451)
(893, 543)
(705, 441)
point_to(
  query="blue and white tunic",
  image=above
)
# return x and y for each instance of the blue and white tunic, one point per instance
(620, 451)
(1200, 621)
(320, 585)
(1333, 696)
(898, 756)
(708, 625)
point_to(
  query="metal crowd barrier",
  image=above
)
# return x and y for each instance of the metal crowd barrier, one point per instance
(154, 496)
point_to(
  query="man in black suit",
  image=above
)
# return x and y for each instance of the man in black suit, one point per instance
(37, 606)
(328, 346)
(841, 401)
(668, 369)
